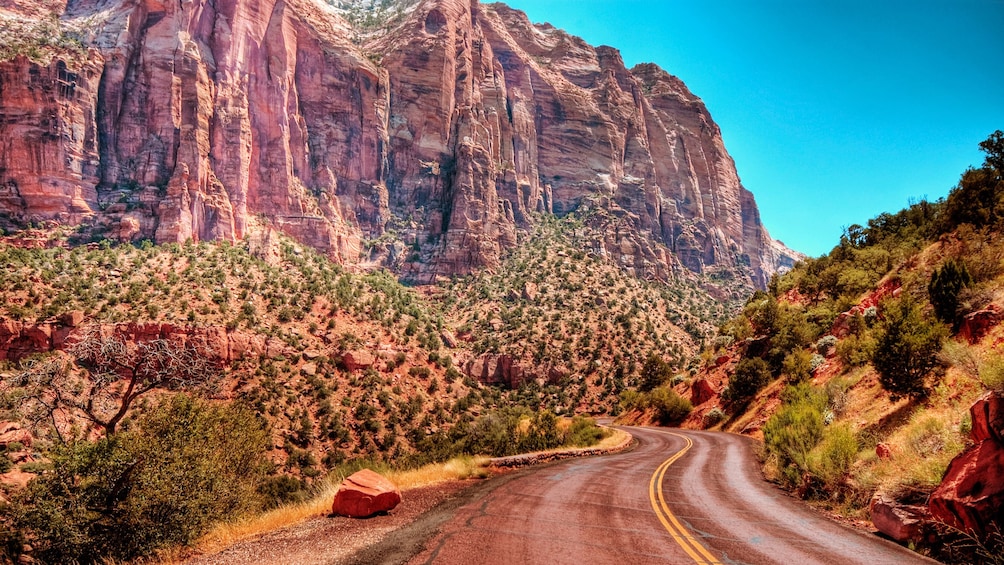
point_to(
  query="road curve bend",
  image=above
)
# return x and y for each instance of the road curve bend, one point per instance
(680, 497)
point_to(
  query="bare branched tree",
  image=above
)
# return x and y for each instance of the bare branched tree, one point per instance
(120, 371)
(110, 373)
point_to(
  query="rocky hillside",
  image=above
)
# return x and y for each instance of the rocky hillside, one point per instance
(419, 136)
(875, 374)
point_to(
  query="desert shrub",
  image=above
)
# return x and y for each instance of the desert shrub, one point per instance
(992, 373)
(856, 350)
(791, 433)
(751, 375)
(713, 416)
(632, 400)
(824, 344)
(187, 465)
(907, 350)
(584, 432)
(831, 459)
(668, 405)
(815, 362)
(798, 366)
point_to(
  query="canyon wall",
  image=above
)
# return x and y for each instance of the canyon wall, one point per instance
(426, 146)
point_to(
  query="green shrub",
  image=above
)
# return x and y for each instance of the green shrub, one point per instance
(669, 406)
(752, 374)
(831, 459)
(856, 350)
(907, 350)
(187, 465)
(654, 373)
(944, 288)
(632, 400)
(798, 366)
(790, 434)
(992, 372)
(713, 416)
(583, 432)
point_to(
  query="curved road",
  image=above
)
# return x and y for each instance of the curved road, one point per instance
(680, 497)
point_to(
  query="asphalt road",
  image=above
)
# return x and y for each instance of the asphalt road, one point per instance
(680, 497)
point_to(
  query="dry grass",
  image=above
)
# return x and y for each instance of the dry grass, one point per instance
(224, 535)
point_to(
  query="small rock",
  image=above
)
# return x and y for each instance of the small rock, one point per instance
(72, 318)
(883, 450)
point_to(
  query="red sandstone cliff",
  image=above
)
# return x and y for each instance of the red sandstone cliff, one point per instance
(434, 141)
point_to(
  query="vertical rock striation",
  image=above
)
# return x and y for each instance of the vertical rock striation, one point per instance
(434, 141)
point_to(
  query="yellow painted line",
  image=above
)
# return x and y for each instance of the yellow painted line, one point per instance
(689, 543)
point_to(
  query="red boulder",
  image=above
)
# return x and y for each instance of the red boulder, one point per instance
(702, 391)
(971, 496)
(365, 493)
(901, 522)
(358, 359)
(988, 418)
(978, 324)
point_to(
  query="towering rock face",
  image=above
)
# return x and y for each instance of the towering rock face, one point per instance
(426, 147)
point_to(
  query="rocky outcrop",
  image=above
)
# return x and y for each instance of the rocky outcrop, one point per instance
(971, 495)
(436, 140)
(18, 339)
(494, 369)
(365, 493)
(978, 324)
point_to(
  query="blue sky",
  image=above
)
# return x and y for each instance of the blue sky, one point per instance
(834, 111)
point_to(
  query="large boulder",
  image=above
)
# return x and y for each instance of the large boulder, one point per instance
(977, 324)
(988, 418)
(365, 493)
(971, 494)
(901, 522)
(358, 359)
(702, 391)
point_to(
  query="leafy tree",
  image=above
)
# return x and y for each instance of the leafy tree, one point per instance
(752, 374)
(654, 373)
(944, 288)
(907, 350)
(979, 197)
(189, 464)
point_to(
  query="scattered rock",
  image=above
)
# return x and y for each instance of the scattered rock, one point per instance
(988, 418)
(971, 496)
(901, 522)
(883, 450)
(448, 338)
(358, 359)
(72, 319)
(530, 292)
(309, 369)
(496, 369)
(365, 493)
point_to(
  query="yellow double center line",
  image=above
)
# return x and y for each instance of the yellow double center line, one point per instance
(694, 549)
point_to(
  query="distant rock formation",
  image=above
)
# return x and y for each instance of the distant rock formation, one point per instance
(424, 147)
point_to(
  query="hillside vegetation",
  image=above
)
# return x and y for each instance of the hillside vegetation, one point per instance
(858, 368)
(119, 353)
